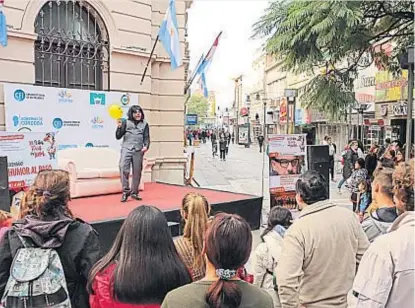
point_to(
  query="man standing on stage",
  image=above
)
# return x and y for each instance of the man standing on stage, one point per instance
(136, 142)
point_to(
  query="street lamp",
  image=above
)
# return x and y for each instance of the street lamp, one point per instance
(360, 108)
(407, 62)
(248, 106)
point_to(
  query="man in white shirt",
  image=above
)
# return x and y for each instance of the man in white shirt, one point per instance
(332, 153)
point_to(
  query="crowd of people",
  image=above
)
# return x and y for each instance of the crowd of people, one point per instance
(326, 257)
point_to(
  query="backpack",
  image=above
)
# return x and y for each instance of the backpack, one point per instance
(36, 280)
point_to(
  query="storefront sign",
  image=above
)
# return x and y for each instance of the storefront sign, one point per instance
(191, 119)
(27, 154)
(400, 109)
(384, 110)
(244, 111)
(389, 88)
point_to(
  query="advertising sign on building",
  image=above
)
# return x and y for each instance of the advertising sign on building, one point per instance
(243, 134)
(287, 156)
(191, 119)
(390, 88)
(27, 153)
(80, 118)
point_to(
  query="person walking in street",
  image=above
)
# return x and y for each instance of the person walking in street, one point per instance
(222, 148)
(136, 142)
(46, 222)
(350, 160)
(142, 265)
(195, 212)
(233, 137)
(332, 153)
(380, 218)
(228, 244)
(321, 249)
(371, 160)
(228, 137)
(268, 252)
(260, 142)
(359, 174)
(386, 273)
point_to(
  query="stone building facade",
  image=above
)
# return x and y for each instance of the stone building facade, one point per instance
(122, 34)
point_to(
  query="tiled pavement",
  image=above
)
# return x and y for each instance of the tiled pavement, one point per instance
(242, 173)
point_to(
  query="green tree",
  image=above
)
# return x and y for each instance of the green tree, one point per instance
(199, 105)
(339, 37)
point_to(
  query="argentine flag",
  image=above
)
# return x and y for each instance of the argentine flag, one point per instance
(3, 27)
(169, 36)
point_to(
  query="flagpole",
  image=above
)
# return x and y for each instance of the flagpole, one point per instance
(149, 59)
(194, 76)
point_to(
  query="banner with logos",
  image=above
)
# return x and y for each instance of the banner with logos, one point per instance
(287, 158)
(79, 117)
(27, 154)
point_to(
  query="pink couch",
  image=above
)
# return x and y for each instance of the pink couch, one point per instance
(93, 171)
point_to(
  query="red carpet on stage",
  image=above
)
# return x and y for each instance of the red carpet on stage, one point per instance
(166, 197)
(106, 213)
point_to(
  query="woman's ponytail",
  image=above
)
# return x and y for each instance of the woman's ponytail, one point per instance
(224, 293)
(228, 247)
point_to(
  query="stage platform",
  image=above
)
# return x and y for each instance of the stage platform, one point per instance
(106, 213)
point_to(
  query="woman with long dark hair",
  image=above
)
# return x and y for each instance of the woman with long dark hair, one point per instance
(195, 212)
(228, 243)
(399, 157)
(268, 252)
(47, 222)
(141, 267)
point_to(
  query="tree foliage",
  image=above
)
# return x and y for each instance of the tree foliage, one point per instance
(342, 37)
(199, 105)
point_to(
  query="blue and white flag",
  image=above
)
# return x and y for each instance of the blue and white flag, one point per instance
(203, 86)
(3, 26)
(169, 36)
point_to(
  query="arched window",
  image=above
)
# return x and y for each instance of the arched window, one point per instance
(72, 47)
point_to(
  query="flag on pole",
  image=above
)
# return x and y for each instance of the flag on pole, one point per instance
(209, 56)
(169, 36)
(194, 72)
(3, 26)
(203, 86)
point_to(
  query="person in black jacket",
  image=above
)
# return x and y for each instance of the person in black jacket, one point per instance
(47, 222)
(371, 160)
(222, 148)
(350, 160)
(260, 142)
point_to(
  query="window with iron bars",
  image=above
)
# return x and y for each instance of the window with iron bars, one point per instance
(72, 47)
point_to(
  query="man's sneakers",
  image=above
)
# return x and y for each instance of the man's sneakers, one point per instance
(134, 196)
(124, 197)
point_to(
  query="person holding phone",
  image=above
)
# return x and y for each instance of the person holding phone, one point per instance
(136, 142)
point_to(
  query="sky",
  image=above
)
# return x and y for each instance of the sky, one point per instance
(236, 51)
